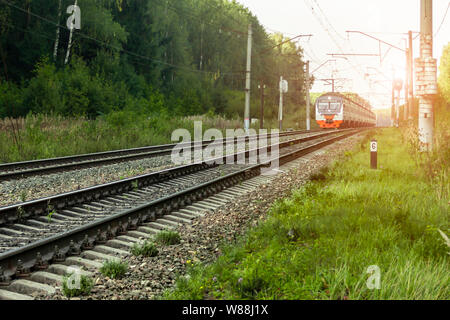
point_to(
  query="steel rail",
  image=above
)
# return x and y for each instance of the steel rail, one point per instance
(17, 170)
(36, 256)
(43, 206)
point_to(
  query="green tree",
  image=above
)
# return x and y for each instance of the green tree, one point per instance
(444, 75)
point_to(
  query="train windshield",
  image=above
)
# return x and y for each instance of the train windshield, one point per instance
(329, 106)
(323, 106)
(335, 107)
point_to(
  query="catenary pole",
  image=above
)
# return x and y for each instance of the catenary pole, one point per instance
(407, 84)
(247, 80)
(426, 73)
(308, 102)
(411, 76)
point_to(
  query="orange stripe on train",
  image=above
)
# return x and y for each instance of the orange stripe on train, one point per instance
(334, 124)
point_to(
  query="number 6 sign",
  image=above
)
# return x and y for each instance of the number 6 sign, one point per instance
(373, 154)
(373, 146)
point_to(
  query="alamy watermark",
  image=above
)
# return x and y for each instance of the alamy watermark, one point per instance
(231, 149)
(74, 21)
(74, 278)
(374, 280)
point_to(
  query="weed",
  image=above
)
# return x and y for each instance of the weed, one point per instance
(23, 196)
(135, 185)
(146, 249)
(50, 212)
(168, 237)
(49, 216)
(250, 284)
(319, 175)
(86, 285)
(20, 213)
(446, 239)
(114, 269)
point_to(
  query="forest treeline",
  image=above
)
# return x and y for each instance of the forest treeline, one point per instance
(174, 57)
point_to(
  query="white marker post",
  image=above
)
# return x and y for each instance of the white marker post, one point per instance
(374, 154)
(283, 89)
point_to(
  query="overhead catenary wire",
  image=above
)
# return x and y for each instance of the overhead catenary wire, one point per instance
(443, 20)
(327, 20)
(27, 31)
(323, 22)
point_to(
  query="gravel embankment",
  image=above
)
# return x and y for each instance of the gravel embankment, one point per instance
(201, 241)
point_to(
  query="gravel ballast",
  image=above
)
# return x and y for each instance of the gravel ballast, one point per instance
(147, 278)
(36, 187)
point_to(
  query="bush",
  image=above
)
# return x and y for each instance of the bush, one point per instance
(114, 269)
(11, 100)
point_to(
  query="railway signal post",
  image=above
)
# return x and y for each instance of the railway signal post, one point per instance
(374, 154)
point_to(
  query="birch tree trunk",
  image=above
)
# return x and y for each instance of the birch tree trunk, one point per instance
(55, 50)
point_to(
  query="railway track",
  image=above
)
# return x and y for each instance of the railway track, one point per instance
(17, 170)
(40, 239)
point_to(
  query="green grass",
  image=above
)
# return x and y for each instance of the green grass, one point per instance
(166, 237)
(114, 269)
(319, 243)
(86, 285)
(146, 249)
(39, 136)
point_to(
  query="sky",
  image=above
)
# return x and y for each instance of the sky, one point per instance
(328, 21)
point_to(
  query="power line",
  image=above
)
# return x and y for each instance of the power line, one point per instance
(443, 19)
(327, 20)
(313, 57)
(196, 17)
(316, 59)
(27, 31)
(278, 31)
(324, 26)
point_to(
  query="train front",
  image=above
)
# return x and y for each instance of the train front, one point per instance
(329, 111)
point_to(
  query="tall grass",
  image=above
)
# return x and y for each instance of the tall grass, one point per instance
(39, 136)
(434, 165)
(43, 136)
(319, 243)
